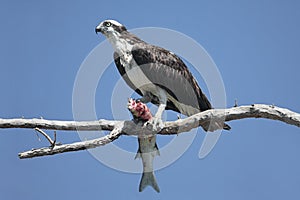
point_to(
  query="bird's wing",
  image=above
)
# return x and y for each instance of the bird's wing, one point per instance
(122, 71)
(168, 71)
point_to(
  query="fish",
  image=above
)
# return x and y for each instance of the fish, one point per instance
(147, 151)
(147, 145)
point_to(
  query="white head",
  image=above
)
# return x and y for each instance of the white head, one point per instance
(110, 28)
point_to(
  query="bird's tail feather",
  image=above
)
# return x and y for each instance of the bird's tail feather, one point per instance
(226, 127)
(148, 178)
(212, 126)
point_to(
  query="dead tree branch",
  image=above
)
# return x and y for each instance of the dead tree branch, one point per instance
(130, 128)
(114, 134)
(52, 142)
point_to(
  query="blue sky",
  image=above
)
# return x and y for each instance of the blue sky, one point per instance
(255, 45)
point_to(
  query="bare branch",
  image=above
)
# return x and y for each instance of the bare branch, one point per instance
(58, 125)
(181, 125)
(114, 134)
(131, 128)
(253, 111)
(52, 143)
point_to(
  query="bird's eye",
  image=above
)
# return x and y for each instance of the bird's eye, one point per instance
(107, 24)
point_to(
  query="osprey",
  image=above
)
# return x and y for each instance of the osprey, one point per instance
(156, 74)
(160, 77)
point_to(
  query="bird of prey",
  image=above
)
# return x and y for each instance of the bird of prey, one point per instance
(158, 75)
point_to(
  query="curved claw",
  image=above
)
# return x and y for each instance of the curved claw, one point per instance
(155, 124)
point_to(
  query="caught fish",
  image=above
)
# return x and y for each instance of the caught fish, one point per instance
(147, 145)
(147, 151)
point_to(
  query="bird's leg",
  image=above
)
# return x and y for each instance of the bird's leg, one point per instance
(160, 110)
(156, 123)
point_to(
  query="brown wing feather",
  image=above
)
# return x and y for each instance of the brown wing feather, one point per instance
(167, 70)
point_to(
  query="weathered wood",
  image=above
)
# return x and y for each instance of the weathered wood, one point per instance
(130, 128)
(235, 113)
(56, 149)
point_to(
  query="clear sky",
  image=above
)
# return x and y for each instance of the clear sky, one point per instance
(255, 45)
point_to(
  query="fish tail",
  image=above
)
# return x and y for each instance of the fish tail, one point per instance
(153, 153)
(148, 178)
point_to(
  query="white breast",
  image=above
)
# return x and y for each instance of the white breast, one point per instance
(133, 71)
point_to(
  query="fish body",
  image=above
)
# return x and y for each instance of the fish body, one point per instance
(147, 144)
(147, 151)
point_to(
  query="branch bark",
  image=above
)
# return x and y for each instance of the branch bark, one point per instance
(131, 128)
(114, 134)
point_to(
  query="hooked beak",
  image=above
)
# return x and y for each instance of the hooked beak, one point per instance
(98, 29)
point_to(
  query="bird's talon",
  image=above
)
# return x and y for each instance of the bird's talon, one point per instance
(154, 124)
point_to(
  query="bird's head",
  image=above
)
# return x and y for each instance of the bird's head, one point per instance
(110, 27)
